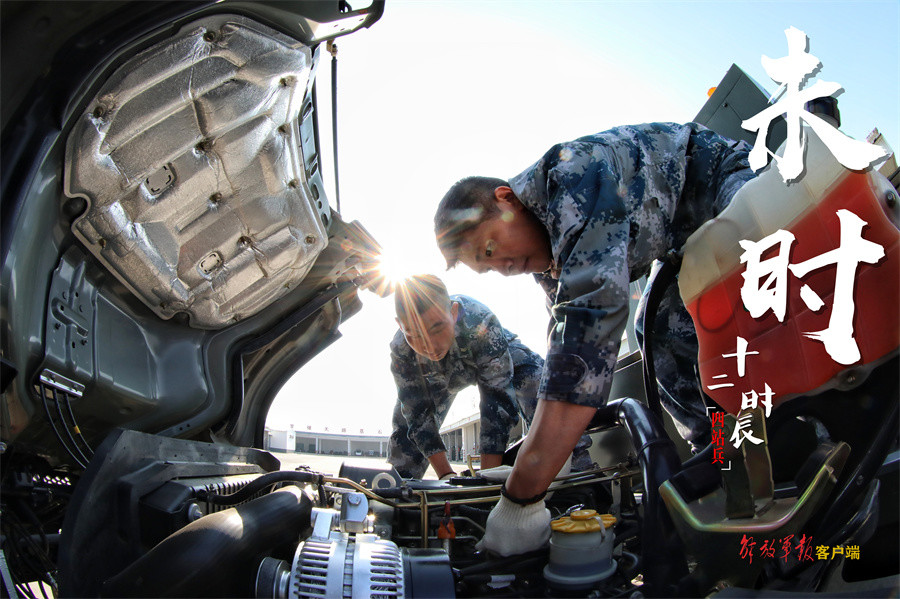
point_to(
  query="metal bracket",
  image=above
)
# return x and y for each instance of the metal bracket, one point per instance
(354, 512)
(323, 521)
(61, 383)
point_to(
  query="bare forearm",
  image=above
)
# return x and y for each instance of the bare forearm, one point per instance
(556, 428)
(491, 460)
(440, 463)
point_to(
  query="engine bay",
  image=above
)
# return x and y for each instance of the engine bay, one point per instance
(194, 521)
(170, 258)
(157, 516)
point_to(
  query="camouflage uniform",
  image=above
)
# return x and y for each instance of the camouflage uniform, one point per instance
(484, 353)
(612, 203)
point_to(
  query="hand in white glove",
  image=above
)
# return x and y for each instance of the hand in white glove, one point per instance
(448, 476)
(513, 528)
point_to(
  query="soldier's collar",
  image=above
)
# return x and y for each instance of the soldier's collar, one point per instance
(552, 271)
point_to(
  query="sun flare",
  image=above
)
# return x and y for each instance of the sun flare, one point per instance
(396, 266)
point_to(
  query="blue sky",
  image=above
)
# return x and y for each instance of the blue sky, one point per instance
(436, 91)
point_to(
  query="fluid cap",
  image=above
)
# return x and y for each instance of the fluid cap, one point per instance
(581, 521)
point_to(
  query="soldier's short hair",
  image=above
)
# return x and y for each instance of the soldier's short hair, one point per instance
(466, 205)
(418, 294)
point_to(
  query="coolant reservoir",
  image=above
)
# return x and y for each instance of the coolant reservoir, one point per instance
(581, 547)
(789, 355)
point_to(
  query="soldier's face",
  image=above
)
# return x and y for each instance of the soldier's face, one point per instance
(511, 243)
(432, 333)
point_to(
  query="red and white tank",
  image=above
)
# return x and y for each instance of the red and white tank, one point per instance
(788, 359)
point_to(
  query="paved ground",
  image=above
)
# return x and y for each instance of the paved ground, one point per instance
(331, 464)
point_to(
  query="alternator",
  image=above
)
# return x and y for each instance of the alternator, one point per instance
(335, 562)
(364, 566)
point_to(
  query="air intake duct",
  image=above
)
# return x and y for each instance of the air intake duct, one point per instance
(217, 555)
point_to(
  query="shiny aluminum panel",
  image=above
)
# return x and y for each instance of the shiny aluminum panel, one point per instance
(189, 159)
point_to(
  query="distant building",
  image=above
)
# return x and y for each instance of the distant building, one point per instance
(460, 438)
(328, 443)
(281, 440)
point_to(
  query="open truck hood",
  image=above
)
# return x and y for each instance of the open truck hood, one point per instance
(169, 254)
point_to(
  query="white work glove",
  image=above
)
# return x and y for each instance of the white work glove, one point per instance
(512, 529)
(498, 474)
(448, 476)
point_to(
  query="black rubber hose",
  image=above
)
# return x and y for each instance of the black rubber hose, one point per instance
(512, 563)
(258, 484)
(627, 529)
(217, 555)
(473, 512)
(630, 569)
(704, 456)
(664, 277)
(662, 552)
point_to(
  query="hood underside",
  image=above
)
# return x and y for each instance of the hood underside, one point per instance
(191, 161)
(170, 258)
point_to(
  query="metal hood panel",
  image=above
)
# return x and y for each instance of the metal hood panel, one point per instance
(189, 159)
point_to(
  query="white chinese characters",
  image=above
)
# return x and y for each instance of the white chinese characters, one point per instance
(792, 72)
(743, 431)
(765, 281)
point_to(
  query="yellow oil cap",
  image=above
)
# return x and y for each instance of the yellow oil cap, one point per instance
(581, 521)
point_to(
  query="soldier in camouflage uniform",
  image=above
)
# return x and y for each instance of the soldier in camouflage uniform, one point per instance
(587, 218)
(445, 344)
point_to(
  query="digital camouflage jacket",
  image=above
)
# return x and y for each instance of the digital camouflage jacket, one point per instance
(483, 354)
(613, 202)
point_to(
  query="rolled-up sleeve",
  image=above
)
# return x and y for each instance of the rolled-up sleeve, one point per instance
(591, 307)
(587, 326)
